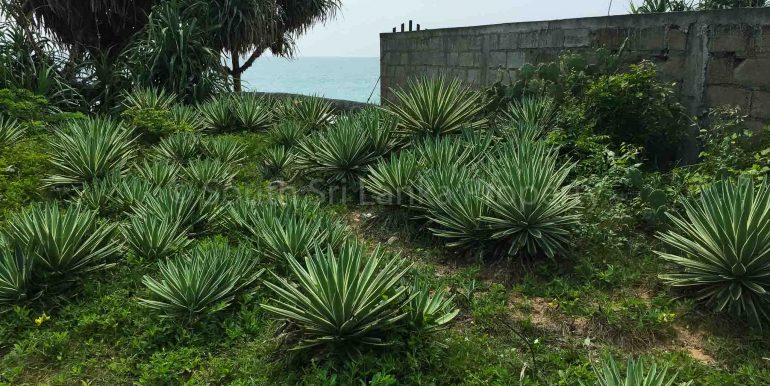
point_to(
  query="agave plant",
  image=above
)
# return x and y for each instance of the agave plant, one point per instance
(96, 196)
(210, 174)
(10, 132)
(277, 161)
(63, 243)
(342, 300)
(531, 207)
(187, 118)
(218, 114)
(392, 181)
(636, 375)
(287, 134)
(203, 281)
(87, 150)
(281, 229)
(722, 247)
(158, 173)
(429, 312)
(310, 112)
(15, 273)
(224, 149)
(196, 210)
(178, 147)
(149, 98)
(343, 152)
(529, 118)
(451, 197)
(252, 113)
(129, 192)
(154, 237)
(448, 151)
(435, 107)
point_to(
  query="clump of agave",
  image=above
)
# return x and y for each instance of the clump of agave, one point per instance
(436, 107)
(721, 247)
(608, 374)
(205, 280)
(252, 113)
(87, 150)
(311, 113)
(10, 131)
(178, 147)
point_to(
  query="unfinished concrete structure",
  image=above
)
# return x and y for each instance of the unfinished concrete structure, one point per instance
(716, 57)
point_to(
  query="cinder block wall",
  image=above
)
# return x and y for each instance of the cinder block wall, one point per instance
(716, 57)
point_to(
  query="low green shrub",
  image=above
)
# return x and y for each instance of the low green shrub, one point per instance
(636, 108)
(309, 300)
(148, 112)
(84, 151)
(203, 281)
(721, 246)
(435, 107)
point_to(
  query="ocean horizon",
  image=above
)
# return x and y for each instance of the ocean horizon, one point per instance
(348, 78)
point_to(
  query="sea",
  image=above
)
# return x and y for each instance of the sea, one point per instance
(354, 79)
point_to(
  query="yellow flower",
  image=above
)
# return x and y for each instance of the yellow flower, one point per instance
(42, 319)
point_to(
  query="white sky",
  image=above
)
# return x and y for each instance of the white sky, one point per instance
(355, 31)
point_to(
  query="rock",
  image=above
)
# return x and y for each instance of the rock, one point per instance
(392, 240)
(10, 169)
(278, 185)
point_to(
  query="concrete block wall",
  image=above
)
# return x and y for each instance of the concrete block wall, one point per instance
(715, 57)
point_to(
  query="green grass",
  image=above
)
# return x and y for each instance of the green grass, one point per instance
(543, 323)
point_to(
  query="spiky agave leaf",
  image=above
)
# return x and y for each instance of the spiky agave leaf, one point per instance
(197, 210)
(149, 98)
(154, 237)
(96, 196)
(530, 118)
(436, 107)
(252, 113)
(312, 113)
(10, 131)
(15, 273)
(203, 281)
(341, 300)
(187, 118)
(158, 173)
(178, 147)
(451, 197)
(449, 151)
(129, 192)
(218, 114)
(722, 247)
(224, 149)
(429, 312)
(391, 181)
(608, 374)
(277, 161)
(87, 150)
(287, 134)
(64, 243)
(531, 207)
(344, 151)
(292, 228)
(210, 174)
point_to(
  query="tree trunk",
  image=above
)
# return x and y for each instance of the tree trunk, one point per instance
(237, 70)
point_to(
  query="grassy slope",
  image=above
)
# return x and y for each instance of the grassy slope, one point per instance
(542, 324)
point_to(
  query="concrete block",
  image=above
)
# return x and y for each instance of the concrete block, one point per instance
(468, 59)
(753, 73)
(509, 41)
(473, 77)
(763, 40)
(498, 59)
(577, 38)
(760, 105)
(672, 69)
(516, 59)
(720, 70)
(676, 39)
(611, 38)
(530, 40)
(648, 39)
(730, 38)
(728, 95)
(453, 59)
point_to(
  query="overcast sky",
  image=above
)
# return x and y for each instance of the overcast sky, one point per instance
(355, 31)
